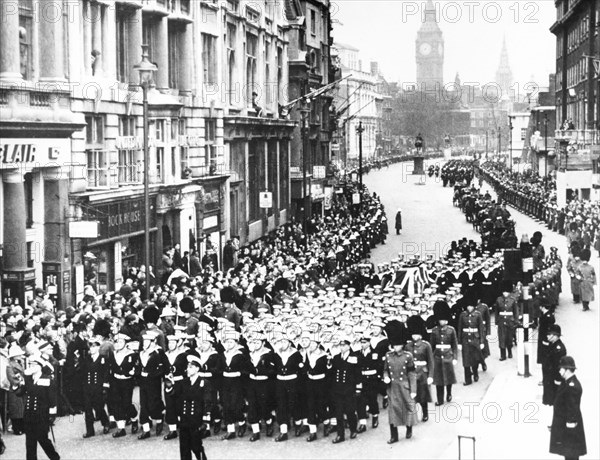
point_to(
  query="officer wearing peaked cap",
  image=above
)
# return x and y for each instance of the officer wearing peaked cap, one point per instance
(191, 397)
(345, 383)
(96, 385)
(40, 409)
(506, 319)
(152, 370)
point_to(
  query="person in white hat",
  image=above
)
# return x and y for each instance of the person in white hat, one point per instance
(15, 373)
(153, 369)
(177, 361)
(236, 365)
(123, 365)
(317, 402)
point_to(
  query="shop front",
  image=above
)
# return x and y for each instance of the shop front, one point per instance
(118, 251)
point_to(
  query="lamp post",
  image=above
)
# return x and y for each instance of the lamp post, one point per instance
(510, 149)
(146, 71)
(546, 144)
(486, 145)
(359, 131)
(305, 194)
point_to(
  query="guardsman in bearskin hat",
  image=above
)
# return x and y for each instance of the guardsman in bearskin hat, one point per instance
(423, 358)
(260, 386)
(152, 370)
(506, 319)
(470, 339)
(190, 394)
(96, 385)
(370, 365)
(399, 374)
(189, 321)
(345, 384)
(124, 365)
(177, 365)
(445, 352)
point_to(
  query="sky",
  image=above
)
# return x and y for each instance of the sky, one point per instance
(386, 30)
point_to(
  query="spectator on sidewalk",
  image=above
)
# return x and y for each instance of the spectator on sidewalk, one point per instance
(567, 436)
(399, 222)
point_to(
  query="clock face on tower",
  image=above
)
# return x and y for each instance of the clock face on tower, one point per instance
(425, 49)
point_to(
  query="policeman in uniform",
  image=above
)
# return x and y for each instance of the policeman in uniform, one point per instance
(550, 366)
(40, 409)
(345, 383)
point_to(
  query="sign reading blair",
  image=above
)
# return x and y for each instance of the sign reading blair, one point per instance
(32, 153)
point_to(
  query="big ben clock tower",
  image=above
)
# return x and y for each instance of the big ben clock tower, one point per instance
(430, 50)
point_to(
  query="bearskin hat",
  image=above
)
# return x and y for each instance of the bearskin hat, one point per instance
(396, 332)
(187, 305)
(228, 294)
(151, 315)
(441, 310)
(416, 326)
(102, 328)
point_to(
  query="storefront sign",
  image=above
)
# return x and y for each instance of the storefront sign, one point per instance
(266, 200)
(66, 281)
(316, 190)
(122, 218)
(32, 153)
(83, 229)
(210, 222)
(128, 143)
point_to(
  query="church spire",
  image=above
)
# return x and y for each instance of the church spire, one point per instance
(504, 75)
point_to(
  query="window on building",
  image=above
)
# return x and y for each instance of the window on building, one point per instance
(149, 34)
(160, 133)
(123, 20)
(129, 169)
(231, 46)
(160, 161)
(210, 136)
(209, 59)
(313, 22)
(25, 38)
(176, 37)
(279, 73)
(97, 157)
(251, 54)
(268, 95)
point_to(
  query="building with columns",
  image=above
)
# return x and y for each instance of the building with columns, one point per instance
(71, 128)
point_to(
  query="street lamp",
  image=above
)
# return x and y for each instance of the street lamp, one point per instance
(307, 212)
(546, 143)
(359, 131)
(146, 71)
(510, 150)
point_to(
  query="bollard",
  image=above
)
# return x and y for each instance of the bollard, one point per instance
(526, 345)
(520, 351)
